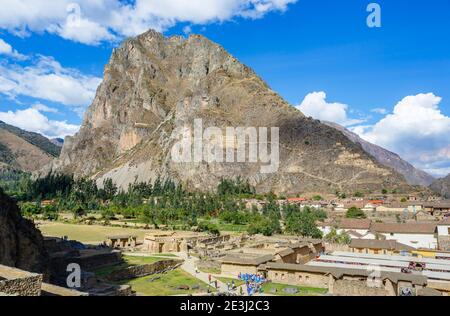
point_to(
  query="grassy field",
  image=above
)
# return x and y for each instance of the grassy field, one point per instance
(167, 284)
(303, 291)
(236, 281)
(87, 233)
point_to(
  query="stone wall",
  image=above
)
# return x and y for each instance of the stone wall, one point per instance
(24, 286)
(444, 243)
(143, 270)
(357, 288)
(298, 278)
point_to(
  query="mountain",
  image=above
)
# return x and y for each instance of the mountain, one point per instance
(154, 86)
(442, 187)
(389, 159)
(21, 244)
(25, 151)
(57, 141)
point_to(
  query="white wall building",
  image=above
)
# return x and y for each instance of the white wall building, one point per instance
(417, 235)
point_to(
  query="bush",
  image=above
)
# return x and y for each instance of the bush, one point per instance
(265, 226)
(355, 212)
(30, 209)
(50, 213)
(209, 228)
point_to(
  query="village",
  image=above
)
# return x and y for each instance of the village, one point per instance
(396, 248)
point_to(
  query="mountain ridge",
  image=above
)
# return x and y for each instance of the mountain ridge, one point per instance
(23, 150)
(442, 186)
(388, 158)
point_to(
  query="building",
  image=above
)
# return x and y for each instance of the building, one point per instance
(443, 234)
(417, 235)
(235, 263)
(439, 209)
(297, 201)
(163, 242)
(436, 271)
(121, 242)
(345, 281)
(249, 259)
(385, 247)
(359, 226)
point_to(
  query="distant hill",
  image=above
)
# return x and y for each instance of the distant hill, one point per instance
(442, 186)
(25, 151)
(57, 141)
(33, 138)
(389, 159)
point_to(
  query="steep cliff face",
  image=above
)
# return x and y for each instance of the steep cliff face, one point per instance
(154, 85)
(21, 244)
(442, 187)
(389, 159)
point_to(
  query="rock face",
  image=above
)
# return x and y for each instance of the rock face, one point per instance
(21, 244)
(154, 85)
(389, 159)
(442, 187)
(25, 151)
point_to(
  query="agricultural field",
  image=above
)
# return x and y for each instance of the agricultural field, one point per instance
(86, 233)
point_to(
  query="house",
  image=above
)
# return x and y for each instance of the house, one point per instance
(235, 263)
(443, 234)
(121, 242)
(417, 235)
(385, 247)
(297, 201)
(439, 209)
(247, 259)
(345, 281)
(359, 226)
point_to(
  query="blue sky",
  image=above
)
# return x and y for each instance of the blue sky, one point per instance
(388, 84)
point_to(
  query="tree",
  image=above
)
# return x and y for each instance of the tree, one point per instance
(317, 198)
(303, 223)
(78, 211)
(209, 228)
(264, 226)
(384, 191)
(110, 188)
(29, 209)
(50, 213)
(355, 212)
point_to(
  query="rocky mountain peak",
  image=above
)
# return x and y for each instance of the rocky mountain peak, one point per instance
(155, 85)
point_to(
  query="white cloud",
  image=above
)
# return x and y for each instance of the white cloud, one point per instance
(8, 50)
(316, 106)
(92, 22)
(43, 108)
(381, 111)
(46, 79)
(34, 121)
(417, 130)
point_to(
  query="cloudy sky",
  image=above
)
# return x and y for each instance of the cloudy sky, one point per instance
(390, 84)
